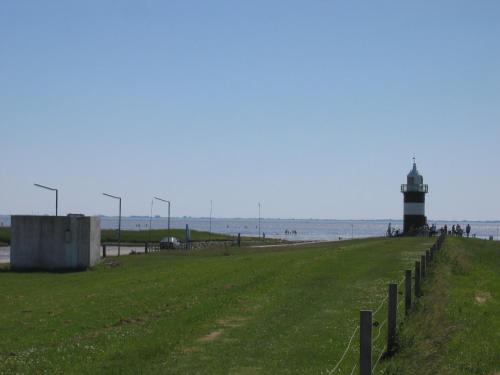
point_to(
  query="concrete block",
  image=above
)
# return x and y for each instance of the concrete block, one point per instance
(55, 243)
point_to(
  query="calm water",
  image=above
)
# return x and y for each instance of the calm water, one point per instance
(275, 228)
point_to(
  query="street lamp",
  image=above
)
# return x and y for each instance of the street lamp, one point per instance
(168, 222)
(52, 189)
(119, 219)
(259, 218)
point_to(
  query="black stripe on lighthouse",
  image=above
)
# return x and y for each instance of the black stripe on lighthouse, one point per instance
(414, 201)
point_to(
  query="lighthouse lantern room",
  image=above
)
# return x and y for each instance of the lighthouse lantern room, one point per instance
(414, 201)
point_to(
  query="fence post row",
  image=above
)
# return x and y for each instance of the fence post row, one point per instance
(391, 317)
(417, 279)
(422, 267)
(366, 316)
(407, 291)
(365, 342)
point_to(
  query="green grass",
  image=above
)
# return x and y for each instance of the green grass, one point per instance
(141, 236)
(4, 235)
(455, 328)
(134, 236)
(220, 311)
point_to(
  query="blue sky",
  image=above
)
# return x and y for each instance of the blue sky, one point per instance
(313, 108)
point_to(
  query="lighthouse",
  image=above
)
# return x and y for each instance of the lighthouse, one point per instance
(414, 200)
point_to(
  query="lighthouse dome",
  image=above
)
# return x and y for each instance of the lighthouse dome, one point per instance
(414, 178)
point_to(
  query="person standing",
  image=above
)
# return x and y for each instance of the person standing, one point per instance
(467, 230)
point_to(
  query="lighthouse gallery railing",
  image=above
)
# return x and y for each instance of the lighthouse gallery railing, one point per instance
(421, 188)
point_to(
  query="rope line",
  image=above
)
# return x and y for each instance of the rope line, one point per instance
(380, 306)
(399, 304)
(401, 282)
(346, 350)
(378, 360)
(379, 331)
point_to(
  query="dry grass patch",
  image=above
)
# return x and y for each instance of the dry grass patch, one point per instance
(482, 297)
(211, 336)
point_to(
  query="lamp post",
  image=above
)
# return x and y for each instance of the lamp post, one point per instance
(259, 218)
(168, 221)
(119, 219)
(52, 189)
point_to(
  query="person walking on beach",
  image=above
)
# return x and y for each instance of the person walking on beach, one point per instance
(467, 230)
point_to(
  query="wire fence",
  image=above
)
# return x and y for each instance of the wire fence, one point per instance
(395, 318)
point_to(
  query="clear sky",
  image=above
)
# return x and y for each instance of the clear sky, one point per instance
(314, 108)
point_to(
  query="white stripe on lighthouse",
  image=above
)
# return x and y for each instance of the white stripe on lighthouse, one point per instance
(414, 209)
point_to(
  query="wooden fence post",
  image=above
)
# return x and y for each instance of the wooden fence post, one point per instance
(427, 257)
(407, 291)
(417, 280)
(422, 266)
(145, 247)
(104, 251)
(365, 342)
(392, 317)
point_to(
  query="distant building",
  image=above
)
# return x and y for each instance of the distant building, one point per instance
(414, 201)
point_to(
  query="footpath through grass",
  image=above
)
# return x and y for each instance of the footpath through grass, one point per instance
(219, 311)
(455, 328)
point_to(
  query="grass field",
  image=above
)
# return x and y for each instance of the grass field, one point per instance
(134, 236)
(4, 236)
(219, 311)
(155, 235)
(455, 329)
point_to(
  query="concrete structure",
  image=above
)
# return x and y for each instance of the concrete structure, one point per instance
(414, 201)
(55, 242)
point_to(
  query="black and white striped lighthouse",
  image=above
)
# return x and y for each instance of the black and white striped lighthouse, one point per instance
(414, 201)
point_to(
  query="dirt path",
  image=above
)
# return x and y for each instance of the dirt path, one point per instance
(290, 244)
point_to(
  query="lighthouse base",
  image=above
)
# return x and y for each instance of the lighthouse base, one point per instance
(413, 223)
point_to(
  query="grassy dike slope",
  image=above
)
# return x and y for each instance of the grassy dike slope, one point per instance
(280, 311)
(138, 236)
(155, 235)
(455, 328)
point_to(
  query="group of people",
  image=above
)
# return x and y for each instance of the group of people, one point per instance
(290, 232)
(392, 232)
(456, 230)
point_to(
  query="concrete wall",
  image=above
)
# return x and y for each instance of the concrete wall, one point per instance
(55, 242)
